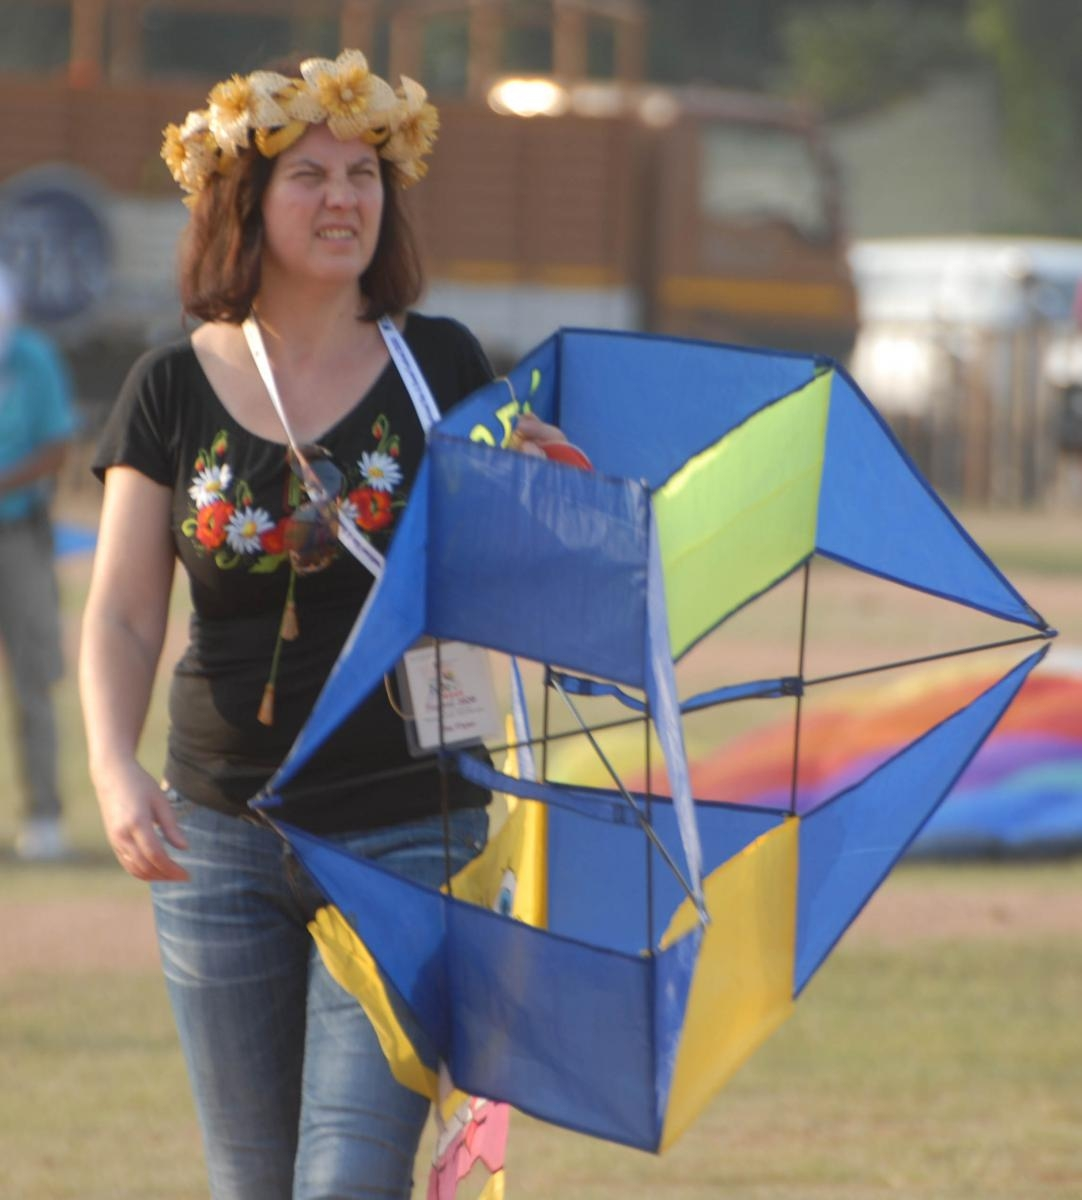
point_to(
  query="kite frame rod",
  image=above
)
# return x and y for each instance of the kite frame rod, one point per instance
(659, 845)
(445, 803)
(623, 722)
(795, 771)
(604, 727)
(926, 658)
(648, 760)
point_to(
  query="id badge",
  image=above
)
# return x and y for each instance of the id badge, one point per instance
(468, 698)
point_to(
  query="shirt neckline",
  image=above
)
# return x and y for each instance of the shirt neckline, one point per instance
(323, 434)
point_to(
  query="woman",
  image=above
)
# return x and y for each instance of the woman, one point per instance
(296, 222)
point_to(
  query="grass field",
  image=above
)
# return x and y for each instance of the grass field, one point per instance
(938, 1054)
(916, 1065)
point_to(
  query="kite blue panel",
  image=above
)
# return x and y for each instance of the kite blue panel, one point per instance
(395, 621)
(489, 413)
(877, 513)
(561, 1030)
(601, 868)
(538, 559)
(601, 871)
(848, 846)
(641, 406)
(403, 924)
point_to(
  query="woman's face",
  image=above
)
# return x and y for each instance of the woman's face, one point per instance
(322, 208)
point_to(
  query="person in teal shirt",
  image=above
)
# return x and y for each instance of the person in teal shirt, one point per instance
(37, 419)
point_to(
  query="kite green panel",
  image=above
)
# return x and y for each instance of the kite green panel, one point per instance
(740, 515)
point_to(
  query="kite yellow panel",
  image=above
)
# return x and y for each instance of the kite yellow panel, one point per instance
(742, 988)
(510, 873)
(742, 514)
(352, 967)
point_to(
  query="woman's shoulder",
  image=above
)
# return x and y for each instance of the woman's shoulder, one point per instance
(449, 354)
(160, 364)
(166, 385)
(426, 329)
(142, 429)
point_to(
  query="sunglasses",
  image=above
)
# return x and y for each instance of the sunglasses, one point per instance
(310, 534)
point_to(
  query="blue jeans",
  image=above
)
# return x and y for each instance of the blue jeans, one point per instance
(294, 1097)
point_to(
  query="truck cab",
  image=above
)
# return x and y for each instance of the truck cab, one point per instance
(693, 212)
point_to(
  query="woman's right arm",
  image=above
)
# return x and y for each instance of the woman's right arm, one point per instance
(123, 630)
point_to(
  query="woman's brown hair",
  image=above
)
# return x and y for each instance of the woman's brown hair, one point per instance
(222, 246)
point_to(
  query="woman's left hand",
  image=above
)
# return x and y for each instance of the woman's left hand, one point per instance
(531, 434)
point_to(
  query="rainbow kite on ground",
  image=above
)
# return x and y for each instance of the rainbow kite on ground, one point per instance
(1022, 793)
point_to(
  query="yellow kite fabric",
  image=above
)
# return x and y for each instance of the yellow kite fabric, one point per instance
(742, 987)
(742, 514)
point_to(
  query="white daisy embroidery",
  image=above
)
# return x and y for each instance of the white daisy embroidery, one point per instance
(210, 485)
(245, 527)
(380, 471)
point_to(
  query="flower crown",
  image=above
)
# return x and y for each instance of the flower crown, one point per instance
(274, 110)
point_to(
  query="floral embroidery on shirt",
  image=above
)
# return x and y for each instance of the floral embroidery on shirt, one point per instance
(224, 520)
(210, 484)
(380, 471)
(372, 505)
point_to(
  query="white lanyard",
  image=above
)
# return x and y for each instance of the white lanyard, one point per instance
(415, 383)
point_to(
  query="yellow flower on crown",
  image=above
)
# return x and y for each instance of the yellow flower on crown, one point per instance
(191, 152)
(271, 111)
(414, 125)
(174, 152)
(357, 103)
(227, 105)
(238, 105)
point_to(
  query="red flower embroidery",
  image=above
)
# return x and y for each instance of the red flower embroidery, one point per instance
(373, 508)
(211, 522)
(273, 541)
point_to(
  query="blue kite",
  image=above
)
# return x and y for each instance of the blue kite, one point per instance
(656, 941)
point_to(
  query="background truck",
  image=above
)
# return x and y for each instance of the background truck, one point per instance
(695, 211)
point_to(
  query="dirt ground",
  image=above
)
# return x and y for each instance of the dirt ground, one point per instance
(897, 916)
(75, 936)
(118, 935)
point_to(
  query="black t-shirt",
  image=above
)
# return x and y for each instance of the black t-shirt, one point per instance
(231, 491)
